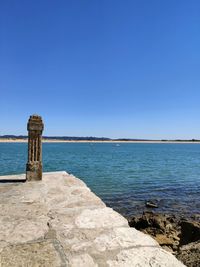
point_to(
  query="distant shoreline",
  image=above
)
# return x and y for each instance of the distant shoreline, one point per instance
(12, 140)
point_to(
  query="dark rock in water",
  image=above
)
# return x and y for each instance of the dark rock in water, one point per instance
(164, 229)
(150, 204)
(164, 240)
(149, 220)
(196, 217)
(190, 232)
(139, 223)
(190, 254)
(172, 233)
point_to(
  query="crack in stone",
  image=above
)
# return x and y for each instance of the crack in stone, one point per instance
(51, 235)
(140, 246)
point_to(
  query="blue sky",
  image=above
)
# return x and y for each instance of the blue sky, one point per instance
(101, 67)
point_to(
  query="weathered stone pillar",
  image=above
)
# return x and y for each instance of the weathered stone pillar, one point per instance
(35, 127)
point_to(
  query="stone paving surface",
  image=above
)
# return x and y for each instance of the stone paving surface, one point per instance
(59, 222)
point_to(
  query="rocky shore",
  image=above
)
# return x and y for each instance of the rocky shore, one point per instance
(176, 234)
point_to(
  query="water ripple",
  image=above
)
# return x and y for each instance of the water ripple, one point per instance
(125, 176)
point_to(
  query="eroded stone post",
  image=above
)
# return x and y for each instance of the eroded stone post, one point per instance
(35, 127)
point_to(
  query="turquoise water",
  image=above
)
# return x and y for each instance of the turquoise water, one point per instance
(123, 176)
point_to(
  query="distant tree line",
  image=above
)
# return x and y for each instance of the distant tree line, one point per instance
(67, 138)
(92, 138)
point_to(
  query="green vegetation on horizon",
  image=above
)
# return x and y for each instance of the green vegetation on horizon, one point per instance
(92, 138)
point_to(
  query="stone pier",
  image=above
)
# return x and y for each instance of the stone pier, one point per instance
(34, 165)
(59, 222)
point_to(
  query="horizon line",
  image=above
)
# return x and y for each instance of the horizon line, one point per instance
(88, 138)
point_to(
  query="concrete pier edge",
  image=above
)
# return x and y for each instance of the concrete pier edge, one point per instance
(58, 221)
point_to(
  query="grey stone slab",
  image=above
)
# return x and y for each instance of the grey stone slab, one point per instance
(58, 221)
(35, 254)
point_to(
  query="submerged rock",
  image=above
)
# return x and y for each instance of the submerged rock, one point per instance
(150, 204)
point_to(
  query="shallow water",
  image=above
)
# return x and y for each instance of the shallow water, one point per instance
(123, 176)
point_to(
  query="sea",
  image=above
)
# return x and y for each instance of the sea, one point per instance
(124, 175)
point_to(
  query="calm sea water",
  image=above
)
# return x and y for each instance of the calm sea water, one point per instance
(124, 175)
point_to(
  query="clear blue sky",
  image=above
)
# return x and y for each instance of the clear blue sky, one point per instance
(128, 68)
